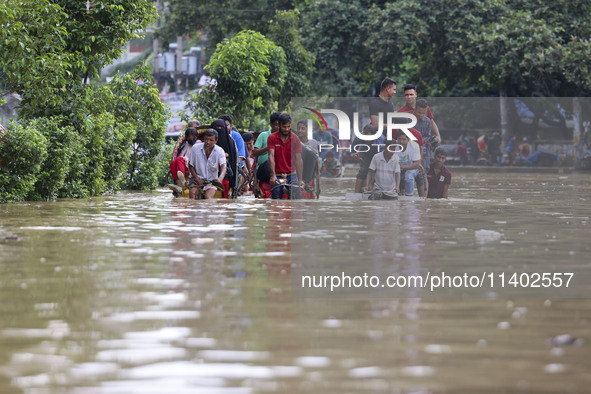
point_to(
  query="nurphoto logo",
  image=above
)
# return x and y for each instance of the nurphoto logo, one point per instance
(394, 121)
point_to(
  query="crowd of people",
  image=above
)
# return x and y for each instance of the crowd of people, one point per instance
(287, 160)
(486, 149)
(402, 162)
(204, 167)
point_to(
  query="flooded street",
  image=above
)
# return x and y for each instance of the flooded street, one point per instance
(142, 293)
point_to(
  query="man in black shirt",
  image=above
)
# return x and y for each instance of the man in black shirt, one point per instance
(382, 103)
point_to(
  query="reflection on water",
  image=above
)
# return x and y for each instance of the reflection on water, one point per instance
(140, 293)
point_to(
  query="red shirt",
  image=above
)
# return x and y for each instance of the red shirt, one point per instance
(416, 133)
(284, 152)
(409, 110)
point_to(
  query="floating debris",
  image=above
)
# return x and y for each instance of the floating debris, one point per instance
(554, 368)
(486, 236)
(418, 371)
(564, 340)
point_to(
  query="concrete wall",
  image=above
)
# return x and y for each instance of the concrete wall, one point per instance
(8, 110)
(563, 148)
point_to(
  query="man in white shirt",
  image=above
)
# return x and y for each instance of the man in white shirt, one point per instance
(410, 165)
(384, 172)
(207, 164)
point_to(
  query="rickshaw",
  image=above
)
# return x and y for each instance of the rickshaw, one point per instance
(228, 188)
(310, 175)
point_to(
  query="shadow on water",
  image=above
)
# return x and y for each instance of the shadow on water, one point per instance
(140, 293)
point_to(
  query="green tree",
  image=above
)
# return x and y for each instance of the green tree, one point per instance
(56, 44)
(475, 47)
(98, 138)
(219, 19)
(22, 151)
(333, 33)
(276, 20)
(250, 72)
(54, 168)
(283, 31)
(524, 47)
(134, 103)
(34, 35)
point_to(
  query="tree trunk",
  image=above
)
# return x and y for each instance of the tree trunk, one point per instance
(85, 81)
(179, 53)
(156, 48)
(179, 63)
(504, 110)
(577, 131)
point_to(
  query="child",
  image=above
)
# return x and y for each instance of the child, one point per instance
(332, 167)
(439, 176)
(384, 172)
(410, 165)
(249, 142)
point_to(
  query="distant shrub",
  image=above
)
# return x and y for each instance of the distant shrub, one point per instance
(101, 155)
(55, 166)
(22, 151)
(164, 163)
(133, 99)
(111, 138)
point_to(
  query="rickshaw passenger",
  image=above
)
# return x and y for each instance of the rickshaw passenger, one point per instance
(180, 159)
(226, 142)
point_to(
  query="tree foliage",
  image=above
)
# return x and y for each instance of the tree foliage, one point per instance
(34, 35)
(526, 47)
(96, 139)
(55, 44)
(333, 34)
(283, 31)
(276, 20)
(219, 18)
(22, 152)
(133, 100)
(250, 72)
(54, 168)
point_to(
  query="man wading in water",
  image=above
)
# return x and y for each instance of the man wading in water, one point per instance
(384, 173)
(439, 176)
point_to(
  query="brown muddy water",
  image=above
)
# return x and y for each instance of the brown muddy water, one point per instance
(141, 293)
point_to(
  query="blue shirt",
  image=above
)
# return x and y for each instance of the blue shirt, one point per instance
(325, 138)
(240, 146)
(424, 127)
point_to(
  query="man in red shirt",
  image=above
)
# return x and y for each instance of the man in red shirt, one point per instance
(285, 160)
(410, 96)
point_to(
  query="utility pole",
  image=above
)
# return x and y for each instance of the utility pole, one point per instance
(179, 62)
(578, 143)
(504, 109)
(156, 49)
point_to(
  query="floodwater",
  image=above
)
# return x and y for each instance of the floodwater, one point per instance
(141, 293)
